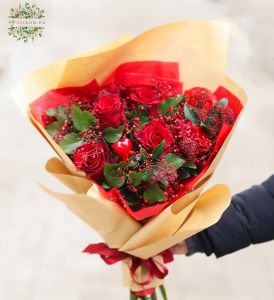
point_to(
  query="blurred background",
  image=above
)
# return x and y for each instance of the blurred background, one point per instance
(41, 241)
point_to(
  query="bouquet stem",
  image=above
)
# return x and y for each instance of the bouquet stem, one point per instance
(151, 296)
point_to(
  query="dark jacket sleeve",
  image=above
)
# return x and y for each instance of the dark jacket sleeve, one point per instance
(248, 220)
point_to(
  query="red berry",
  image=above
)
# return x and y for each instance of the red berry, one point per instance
(122, 148)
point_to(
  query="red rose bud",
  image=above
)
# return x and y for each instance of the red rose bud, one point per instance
(153, 134)
(122, 148)
(109, 110)
(91, 158)
(200, 98)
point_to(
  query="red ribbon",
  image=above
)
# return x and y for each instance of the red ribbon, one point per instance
(155, 268)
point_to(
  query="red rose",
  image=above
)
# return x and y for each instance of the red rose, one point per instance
(145, 95)
(109, 110)
(153, 134)
(156, 92)
(91, 158)
(200, 98)
(148, 82)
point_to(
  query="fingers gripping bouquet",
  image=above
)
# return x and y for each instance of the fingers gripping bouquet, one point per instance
(140, 126)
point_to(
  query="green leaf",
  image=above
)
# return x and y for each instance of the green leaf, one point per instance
(143, 155)
(60, 112)
(155, 172)
(82, 119)
(114, 175)
(156, 153)
(132, 163)
(140, 112)
(191, 165)
(130, 114)
(146, 176)
(194, 172)
(204, 125)
(51, 112)
(189, 169)
(106, 186)
(136, 178)
(131, 198)
(183, 174)
(70, 142)
(166, 105)
(54, 127)
(191, 115)
(153, 193)
(223, 102)
(164, 182)
(143, 116)
(112, 135)
(175, 160)
(57, 112)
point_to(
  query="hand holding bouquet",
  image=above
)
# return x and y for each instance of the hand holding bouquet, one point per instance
(140, 129)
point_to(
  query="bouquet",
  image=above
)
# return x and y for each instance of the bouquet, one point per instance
(140, 126)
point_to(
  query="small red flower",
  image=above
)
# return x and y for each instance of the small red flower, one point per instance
(153, 134)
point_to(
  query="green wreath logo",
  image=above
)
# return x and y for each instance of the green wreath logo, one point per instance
(26, 22)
